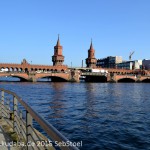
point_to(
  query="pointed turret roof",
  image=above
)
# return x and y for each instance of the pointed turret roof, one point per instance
(91, 46)
(58, 41)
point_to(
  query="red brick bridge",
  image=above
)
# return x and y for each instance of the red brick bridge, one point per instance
(130, 78)
(29, 72)
(33, 76)
(117, 75)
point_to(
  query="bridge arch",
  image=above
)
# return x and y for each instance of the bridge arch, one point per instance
(11, 69)
(4, 68)
(146, 80)
(62, 70)
(20, 77)
(14, 76)
(126, 80)
(54, 78)
(96, 78)
(26, 70)
(16, 69)
(20, 69)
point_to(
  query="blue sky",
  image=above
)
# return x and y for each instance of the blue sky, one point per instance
(29, 29)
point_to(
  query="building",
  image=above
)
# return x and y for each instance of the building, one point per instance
(58, 58)
(130, 65)
(109, 62)
(138, 64)
(146, 64)
(91, 60)
(125, 65)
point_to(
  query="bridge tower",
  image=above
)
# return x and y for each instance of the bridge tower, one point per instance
(58, 58)
(91, 60)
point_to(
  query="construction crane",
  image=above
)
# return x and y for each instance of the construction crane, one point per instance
(131, 55)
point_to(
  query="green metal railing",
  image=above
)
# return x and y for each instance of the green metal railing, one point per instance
(12, 108)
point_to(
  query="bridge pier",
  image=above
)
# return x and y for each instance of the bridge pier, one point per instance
(32, 80)
(74, 76)
(111, 77)
(32, 77)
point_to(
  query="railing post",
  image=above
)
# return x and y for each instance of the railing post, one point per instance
(8, 109)
(2, 104)
(15, 107)
(20, 116)
(29, 132)
(21, 126)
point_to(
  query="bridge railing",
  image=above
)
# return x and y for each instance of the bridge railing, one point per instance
(12, 108)
(93, 74)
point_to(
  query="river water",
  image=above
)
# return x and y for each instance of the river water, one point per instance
(104, 116)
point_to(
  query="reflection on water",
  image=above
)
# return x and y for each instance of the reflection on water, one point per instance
(8, 79)
(102, 115)
(57, 104)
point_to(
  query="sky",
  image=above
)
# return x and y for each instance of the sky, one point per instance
(29, 29)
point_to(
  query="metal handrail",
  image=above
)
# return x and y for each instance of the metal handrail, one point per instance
(51, 131)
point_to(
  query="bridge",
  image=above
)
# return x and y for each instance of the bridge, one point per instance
(31, 72)
(33, 76)
(130, 78)
(75, 75)
(114, 77)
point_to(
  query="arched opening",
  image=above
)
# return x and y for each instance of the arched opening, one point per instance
(51, 79)
(20, 69)
(62, 70)
(146, 81)
(26, 69)
(7, 69)
(15, 69)
(11, 69)
(2, 69)
(126, 80)
(12, 78)
(96, 79)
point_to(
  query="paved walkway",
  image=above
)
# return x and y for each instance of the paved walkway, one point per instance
(5, 141)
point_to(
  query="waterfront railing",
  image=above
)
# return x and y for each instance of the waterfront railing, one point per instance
(12, 108)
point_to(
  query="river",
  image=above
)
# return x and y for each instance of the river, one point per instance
(112, 116)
